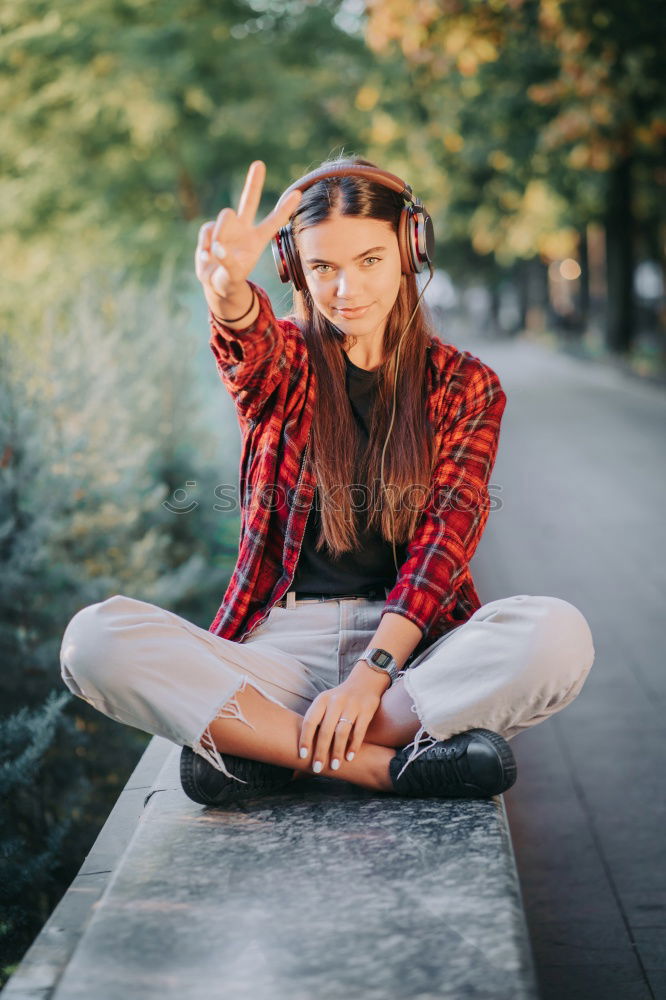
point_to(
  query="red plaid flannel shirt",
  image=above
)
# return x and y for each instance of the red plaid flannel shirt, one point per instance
(266, 370)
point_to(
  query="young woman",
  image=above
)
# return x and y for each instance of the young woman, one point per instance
(351, 640)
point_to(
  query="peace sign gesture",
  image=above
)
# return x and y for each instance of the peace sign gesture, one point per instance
(230, 246)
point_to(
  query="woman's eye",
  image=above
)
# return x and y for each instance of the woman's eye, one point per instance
(317, 266)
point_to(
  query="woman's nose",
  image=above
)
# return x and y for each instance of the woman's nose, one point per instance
(347, 286)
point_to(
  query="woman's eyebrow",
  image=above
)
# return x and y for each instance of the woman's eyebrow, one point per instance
(320, 260)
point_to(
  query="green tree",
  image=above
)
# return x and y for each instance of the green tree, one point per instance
(540, 116)
(97, 430)
(125, 125)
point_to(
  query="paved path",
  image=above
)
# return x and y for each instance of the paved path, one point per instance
(582, 471)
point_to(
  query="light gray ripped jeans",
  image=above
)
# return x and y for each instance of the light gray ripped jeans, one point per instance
(514, 663)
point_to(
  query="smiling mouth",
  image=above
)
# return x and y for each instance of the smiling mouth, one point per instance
(353, 312)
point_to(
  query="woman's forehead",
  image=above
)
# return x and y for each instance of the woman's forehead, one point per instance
(346, 236)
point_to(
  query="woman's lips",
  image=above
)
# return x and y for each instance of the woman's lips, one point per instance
(352, 313)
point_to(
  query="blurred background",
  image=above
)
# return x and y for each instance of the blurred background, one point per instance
(534, 131)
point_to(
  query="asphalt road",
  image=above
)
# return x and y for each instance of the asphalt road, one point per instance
(581, 474)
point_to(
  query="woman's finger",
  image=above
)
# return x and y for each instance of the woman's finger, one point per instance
(358, 735)
(205, 235)
(311, 720)
(202, 255)
(322, 749)
(222, 223)
(343, 731)
(251, 194)
(279, 216)
(220, 279)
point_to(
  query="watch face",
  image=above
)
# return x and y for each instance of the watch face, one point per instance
(381, 658)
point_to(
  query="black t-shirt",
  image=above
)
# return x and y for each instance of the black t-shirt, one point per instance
(371, 568)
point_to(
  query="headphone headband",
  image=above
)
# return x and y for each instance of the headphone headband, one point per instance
(355, 170)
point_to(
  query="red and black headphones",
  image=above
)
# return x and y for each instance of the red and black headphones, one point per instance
(416, 236)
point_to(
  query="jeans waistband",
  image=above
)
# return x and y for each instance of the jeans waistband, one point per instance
(293, 596)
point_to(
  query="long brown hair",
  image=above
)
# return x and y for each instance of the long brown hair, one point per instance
(336, 450)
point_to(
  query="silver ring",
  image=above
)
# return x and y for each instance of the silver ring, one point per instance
(345, 720)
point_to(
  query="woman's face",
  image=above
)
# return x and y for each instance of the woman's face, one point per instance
(351, 262)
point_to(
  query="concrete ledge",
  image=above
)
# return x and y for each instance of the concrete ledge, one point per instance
(342, 892)
(47, 957)
(324, 890)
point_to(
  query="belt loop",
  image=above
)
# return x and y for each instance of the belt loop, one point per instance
(291, 600)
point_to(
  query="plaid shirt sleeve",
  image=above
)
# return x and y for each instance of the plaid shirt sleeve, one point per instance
(250, 361)
(451, 525)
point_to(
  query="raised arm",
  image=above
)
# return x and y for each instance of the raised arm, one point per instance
(245, 335)
(250, 361)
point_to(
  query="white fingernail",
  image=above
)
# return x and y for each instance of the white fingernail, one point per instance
(350, 755)
(335, 764)
(317, 766)
(303, 751)
(218, 249)
(204, 255)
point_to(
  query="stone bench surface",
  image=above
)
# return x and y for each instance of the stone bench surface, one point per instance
(325, 890)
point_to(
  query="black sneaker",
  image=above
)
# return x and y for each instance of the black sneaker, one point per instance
(203, 783)
(471, 765)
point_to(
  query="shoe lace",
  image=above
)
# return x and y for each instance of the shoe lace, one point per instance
(422, 771)
(453, 775)
(414, 749)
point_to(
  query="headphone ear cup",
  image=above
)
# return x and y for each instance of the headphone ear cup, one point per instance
(420, 237)
(416, 239)
(404, 241)
(282, 267)
(294, 260)
(286, 258)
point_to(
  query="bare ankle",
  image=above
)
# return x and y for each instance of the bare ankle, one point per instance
(369, 769)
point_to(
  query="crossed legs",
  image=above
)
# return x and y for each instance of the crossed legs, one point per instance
(514, 663)
(273, 736)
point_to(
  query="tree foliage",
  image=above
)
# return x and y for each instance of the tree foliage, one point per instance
(527, 106)
(100, 430)
(126, 123)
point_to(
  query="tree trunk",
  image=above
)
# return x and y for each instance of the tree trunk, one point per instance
(522, 290)
(620, 317)
(584, 283)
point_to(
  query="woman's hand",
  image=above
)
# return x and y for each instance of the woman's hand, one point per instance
(322, 730)
(229, 247)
